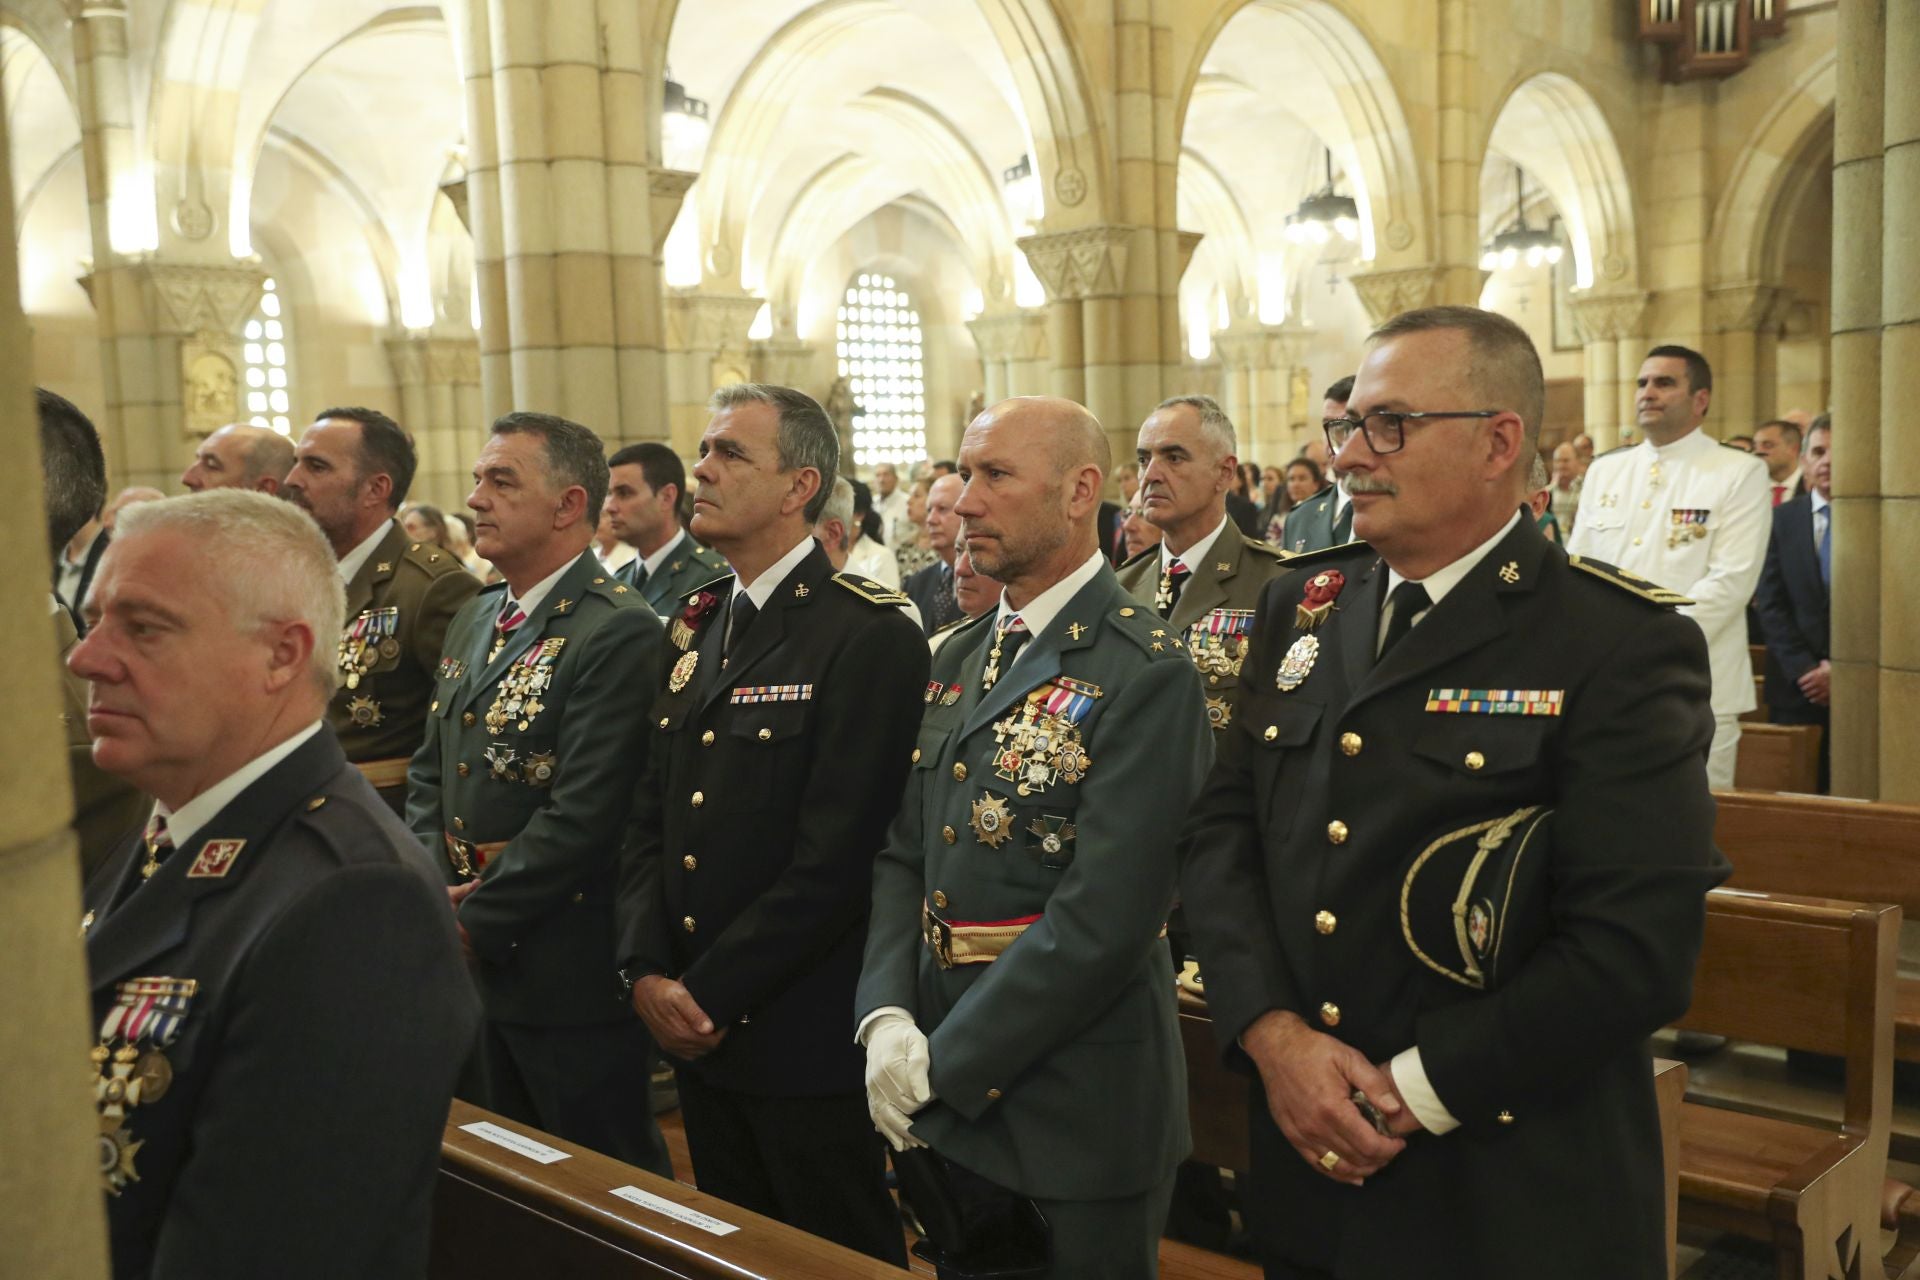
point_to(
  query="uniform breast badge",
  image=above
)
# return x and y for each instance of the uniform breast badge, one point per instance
(503, 763)
(992, 821)
(683, 670)
(1316, 604)
(539, 770)
(951, 696)
(1298, 663)
(130, 1067)
(363, 711)
(452, 668)
(1052, 840)
(682, 632)
(1039, 744)
(517, 701)
(1686, 524)
(365, 638)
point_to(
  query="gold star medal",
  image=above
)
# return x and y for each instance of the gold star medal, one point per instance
(992, 821)
(363, 711)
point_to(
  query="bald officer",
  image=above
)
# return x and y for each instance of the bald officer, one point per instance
(240, 455)
(1017, 1002)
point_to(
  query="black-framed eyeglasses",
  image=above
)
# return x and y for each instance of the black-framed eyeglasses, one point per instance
(1387, 432)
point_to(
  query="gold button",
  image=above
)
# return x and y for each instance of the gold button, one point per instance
(699, 798)
(706, 739)
(690, 862)
(467, 719)
(766, 735)
(459, 825)
(1475, 760)
(579, 897)
(463, 770)
(1636, 542)
(939, 898)
(916, 755)
(1329, 1012)
(598, 581)
(1324, 921)
(959, 771)
(947, 834)
(435, 706)
(687, 923)
(1273, 731)
(1336, 832)
(663, 722)
(1505, 1117)
(1647, 505)
(1127, 612)
(1213, 679)
(995, 1093)
(1350, 744)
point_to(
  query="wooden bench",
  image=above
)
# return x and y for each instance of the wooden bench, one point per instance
(1778, 757)
(1811, 974)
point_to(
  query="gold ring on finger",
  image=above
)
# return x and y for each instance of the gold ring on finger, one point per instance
(1329, 1160)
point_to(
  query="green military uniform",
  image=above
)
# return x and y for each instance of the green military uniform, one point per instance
(1214, 614)
(398, 608)
(690, 567)
(524, 781)
(1017, 914)
(105, 808)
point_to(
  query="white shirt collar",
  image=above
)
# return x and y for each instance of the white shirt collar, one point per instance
(761, 589)
(79, 562)
(185, 822)
(1197, 553)
(653, 562)
(1793, 478)
(1446, 578)
(350, 563)
(540, 590)
(1685, 444)
(1819, 503)
(1045, 607)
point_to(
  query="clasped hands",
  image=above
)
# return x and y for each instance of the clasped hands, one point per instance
(897, 1084)
(1309, 1080)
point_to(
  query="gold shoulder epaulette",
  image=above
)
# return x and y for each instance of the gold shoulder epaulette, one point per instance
(435, 560)
(1630, 582)
(870, 591)
(958, 623)
(1266, 549)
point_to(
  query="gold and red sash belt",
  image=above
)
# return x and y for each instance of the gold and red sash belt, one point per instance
(384, 773)
(955, 942)
(467, 857)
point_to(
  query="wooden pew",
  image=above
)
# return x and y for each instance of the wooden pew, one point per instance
(501, 1214)
(1778, 757)
(1811, 974)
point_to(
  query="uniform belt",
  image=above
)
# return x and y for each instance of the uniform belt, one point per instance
(385, 773)
(955, 942)
(470, 858)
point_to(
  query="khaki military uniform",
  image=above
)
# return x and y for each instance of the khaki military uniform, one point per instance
(398, 608)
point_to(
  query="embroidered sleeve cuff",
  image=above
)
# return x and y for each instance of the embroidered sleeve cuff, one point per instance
(1410, 1078)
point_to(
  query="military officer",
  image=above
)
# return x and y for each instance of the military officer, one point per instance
(1016, 1001)
(1205, 576)
(1326, 519)
(782, 736)
(240, 455)
(277, 993)
(1408, 698)
(351, 472)
(1681, 511)
(644, 498)
(523, 785)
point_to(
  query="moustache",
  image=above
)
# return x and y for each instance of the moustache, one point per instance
(1358, 483)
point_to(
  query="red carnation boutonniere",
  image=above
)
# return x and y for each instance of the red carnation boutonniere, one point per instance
(1317, 601)
(696, 611)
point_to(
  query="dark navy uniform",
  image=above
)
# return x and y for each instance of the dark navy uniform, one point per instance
(1535, 681)
(748, 877)
(280, 1012)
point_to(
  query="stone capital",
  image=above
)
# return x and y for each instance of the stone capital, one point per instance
(666, 190)
(1086, 262)
(782, 361)
(182, 299)
(1260, 347)
(1747, 308)
(1184, 243)
(1385, 294)
(1609, 317)
(425, 360)
(710, 321)
(1011, 335)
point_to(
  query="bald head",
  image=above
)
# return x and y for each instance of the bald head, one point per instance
(1033, 469)
(240, 456)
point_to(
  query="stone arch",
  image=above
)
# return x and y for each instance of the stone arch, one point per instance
(1069, 150)
(1342, 92)
(1228, 253)
(1550, 125)
(1767, 180)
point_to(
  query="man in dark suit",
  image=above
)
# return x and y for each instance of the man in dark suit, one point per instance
(931, 588)
(645, 492)
(1326, 519)
(522, 787)
(351, 472)
(781, 743)
(1793, 597)
(1445, 675)
(276, 985)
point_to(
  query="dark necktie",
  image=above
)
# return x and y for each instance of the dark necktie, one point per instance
(636, 573)
(1406, 602)
(1826, 546)
(744, 612)
(945, 608)
(1343, 524)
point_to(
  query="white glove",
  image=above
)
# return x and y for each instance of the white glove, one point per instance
(897, 1085)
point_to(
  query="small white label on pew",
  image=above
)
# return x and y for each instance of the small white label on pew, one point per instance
(513, 1142)
(678, 1212)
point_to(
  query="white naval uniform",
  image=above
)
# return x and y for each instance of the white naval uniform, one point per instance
(1694, 517)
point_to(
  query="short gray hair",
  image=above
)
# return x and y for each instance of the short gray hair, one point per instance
(269, 557)
(1503, 364)
(839, 507)
(1213, 420)
(806, 437)
(574, 455)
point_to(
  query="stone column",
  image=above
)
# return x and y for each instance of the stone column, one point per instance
(106, 110)
(1748, 318)
(1257, 362)
(1458, 279)
(1860, 117)
(1611, 325)
(1085, 274)
(708, 349)
(1899, 438)
(51, 1214)
(441, 406)
(1014, 352)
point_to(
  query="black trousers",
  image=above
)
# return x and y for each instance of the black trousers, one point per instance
(586, 1084)
(812, 1163)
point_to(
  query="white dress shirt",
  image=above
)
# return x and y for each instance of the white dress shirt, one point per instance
(892, 511)
(72, 570)
(870, 559)
(653, 562)
(1197, 553)
(1822, 512)
(539, 590)
(185, 822)
(350, 563)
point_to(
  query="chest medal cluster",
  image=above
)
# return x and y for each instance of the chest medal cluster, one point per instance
(517, 701)
(1316, 604)
(1038, 744)
(130, 1066)
(1686, 524)
(369, 638)
(1218, 643)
